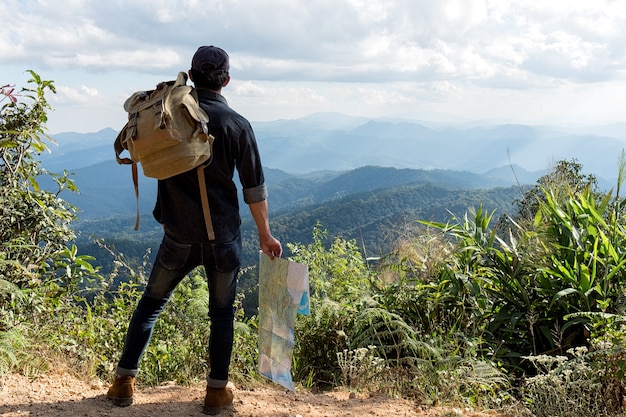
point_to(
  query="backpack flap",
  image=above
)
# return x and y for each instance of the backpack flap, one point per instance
(197, 113)
(181, 79)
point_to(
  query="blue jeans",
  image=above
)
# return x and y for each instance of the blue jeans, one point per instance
(173, 262)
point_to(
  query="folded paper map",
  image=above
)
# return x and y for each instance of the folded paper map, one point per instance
(283, 293)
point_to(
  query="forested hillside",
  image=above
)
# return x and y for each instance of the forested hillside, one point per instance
(362, 204)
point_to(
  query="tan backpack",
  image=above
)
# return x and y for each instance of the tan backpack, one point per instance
(166, 130)
(166, 133)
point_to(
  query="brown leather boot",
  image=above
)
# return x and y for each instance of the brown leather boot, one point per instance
(121, 392)
(217, 399)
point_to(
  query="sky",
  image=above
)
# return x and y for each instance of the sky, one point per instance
(550, 62)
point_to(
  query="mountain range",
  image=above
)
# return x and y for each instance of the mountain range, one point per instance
(323, 157)
(357, 177)
(336, 142)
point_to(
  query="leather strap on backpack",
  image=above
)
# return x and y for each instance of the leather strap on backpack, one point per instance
(136, 184)
(205, 203)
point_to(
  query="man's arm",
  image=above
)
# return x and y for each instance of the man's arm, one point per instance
(269, 244)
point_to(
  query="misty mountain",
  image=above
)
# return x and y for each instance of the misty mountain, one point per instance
(338, 143)
(294, 145)
(327, 156)
(78, 150)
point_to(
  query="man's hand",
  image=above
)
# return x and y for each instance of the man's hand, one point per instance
(271, 246)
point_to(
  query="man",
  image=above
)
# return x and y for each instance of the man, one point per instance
(188, 242)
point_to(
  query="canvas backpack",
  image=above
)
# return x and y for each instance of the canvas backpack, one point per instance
(167, 134)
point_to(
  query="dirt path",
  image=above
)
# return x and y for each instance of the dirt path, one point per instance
(63, 395)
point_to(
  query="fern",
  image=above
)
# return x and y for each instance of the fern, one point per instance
(394, 340)
(11, 341)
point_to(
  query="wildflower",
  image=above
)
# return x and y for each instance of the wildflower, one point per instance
(8, 91)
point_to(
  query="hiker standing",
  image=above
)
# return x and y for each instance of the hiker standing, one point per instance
(189, 241)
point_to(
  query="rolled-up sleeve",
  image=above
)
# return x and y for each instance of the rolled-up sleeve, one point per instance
(249, 167)
(255, 194)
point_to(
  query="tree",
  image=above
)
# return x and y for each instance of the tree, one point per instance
(34, 222)
(564, 180)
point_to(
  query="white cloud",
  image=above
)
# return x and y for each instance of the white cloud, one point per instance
(152, 60)
(328, 53)
(277, 38)
(82, 95)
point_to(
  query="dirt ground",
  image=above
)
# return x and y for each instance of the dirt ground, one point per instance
(53, 395)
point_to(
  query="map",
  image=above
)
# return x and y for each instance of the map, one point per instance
(283, 293)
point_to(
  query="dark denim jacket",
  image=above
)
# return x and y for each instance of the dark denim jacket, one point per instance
(179, 207)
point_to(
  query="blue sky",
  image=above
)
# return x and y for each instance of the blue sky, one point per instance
(526, 61)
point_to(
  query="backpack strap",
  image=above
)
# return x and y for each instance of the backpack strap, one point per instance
(205, 203)
(136, 184)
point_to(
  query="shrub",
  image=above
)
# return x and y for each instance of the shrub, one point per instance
(567, 386)
(34, 222)
(339, 284)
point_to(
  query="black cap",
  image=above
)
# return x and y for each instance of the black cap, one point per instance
(210, 58)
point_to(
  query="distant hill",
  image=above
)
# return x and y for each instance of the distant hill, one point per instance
(79, 150)
(106, 188)
(370, 216)
(336, 142)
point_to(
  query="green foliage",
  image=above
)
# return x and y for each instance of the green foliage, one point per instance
(522, 287)
(338, 273)
(339, 282)
(363, 335)
(11, 342)
(429, 284)
(389, 335)
(86, 326)
(34, 223)
(464, 279)
(318, 338)
(565, 179)
(36, 266)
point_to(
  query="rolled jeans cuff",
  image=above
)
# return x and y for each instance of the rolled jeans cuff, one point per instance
(215, 383)
(126, 372)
